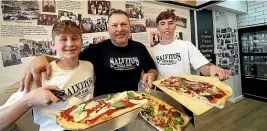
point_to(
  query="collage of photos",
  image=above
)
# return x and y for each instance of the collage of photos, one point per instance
(20, 10)
(98, 7)
(155, 38)
(65, 15)
(137, 26)
(10, 55)
(94, 24)
(134, 10)
(49, 6)
(151, 21)
(227, 46)
(99, 39)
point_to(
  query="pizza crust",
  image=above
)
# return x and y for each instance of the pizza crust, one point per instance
(212, 80)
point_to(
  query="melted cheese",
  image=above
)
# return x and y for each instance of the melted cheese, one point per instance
(117, 97)
(91, 105)
(204, 93)
(95, 114)
(144, 101)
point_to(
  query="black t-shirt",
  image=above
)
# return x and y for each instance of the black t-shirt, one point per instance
(117, 69)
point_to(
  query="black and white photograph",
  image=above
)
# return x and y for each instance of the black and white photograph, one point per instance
(65, 15)
(230, 47)
(137, 26)
(228, 41)
(151, 21)
(222, 42)
(155, 38)
(135, 10)
(20, 10)
(179, 35)
(228, 35)
(46, 19)
(98, 39)
(181, 22)
(10, 55)
(232, 52)
(237, 60)
(218, 30)
(218, 41)
(229, 30)
(94, 24)
(223, 30)
(49, 6)
(98, 7)
(25, 48)
(224, 35)
(225, 63)
(40, 48)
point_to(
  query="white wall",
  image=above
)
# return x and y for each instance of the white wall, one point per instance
(256, 15)
(236, 5)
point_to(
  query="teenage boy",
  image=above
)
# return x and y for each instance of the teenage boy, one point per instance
(69, 74)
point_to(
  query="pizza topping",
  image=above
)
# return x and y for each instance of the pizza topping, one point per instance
(118, 105)
(130, 95)
(176, 114)
(138, 98)
(168, 129)
(150, 110)
(184, 86)
(144, 101)
(162, 107)
(78, 114)
(91, 105)
(107, 98)
(179, 121)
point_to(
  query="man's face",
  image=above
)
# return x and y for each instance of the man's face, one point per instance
(67, 45)
(119, 28)
(166, 28)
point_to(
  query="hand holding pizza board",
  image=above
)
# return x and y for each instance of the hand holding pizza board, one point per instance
(198, 107)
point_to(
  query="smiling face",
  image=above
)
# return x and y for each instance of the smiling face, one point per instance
(67, 45)
(166, 28)
(119, 29)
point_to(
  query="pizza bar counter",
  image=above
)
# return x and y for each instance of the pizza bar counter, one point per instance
(137, 123)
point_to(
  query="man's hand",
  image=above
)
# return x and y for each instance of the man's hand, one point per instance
(222, 73)
(148, 78)
(41, 96)
(33, 73)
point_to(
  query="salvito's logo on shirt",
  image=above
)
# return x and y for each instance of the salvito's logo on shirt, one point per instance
(168, 59)
(127, 63)
(81, 89)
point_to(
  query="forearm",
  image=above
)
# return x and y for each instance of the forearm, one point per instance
(11, 114)
(155, 72)
(205, 69)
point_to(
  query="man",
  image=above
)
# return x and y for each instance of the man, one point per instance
(174, 57)
(118, 61)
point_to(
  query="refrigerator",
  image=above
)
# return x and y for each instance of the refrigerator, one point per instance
(253, 60)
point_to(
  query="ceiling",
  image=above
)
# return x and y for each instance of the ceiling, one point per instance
(195, 4)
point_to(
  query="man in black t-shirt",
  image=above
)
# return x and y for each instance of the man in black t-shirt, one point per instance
(118, 61)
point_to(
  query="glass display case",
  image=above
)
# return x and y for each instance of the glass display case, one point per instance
(253, 56)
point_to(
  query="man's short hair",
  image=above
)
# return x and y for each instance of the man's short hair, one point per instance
(66, 26)
(119, 12)
(165, 15)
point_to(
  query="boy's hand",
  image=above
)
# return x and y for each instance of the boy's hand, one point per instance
(33, 73)
(41, 96)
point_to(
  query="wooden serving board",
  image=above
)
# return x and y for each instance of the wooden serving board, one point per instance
(198, 107)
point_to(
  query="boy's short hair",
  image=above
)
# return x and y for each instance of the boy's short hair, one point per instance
(165, 15)
(119, 12)
(66, 26)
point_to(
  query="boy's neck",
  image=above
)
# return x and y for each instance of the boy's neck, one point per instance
(166, 41)
(68, 64)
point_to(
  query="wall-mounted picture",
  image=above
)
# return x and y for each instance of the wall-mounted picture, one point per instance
(137, 26)
(98, 39)
(181, 22)
(65, 15)
(229, 30)
(134, 10)
(10, 55)
(223, 30)
(228, 41)
(151, 21)
(230, 46)
(49, 6)
(155, 38)
(94, 24)
(20, 10)
(98, 7)
(46, 19)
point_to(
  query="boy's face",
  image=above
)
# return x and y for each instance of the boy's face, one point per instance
(67, 45)
(166, 28)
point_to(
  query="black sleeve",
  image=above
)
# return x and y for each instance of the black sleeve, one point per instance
(148, 61)
(88, 53)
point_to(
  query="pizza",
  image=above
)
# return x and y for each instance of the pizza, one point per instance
(209, 91)
(163, 116)
(86, 115)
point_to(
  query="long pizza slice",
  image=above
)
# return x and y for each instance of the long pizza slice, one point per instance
(163, 116)
(208, 90)
(90, 114)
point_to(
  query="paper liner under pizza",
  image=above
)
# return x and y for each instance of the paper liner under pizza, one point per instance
(163, 116)
(87, 115)
(209, 90)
